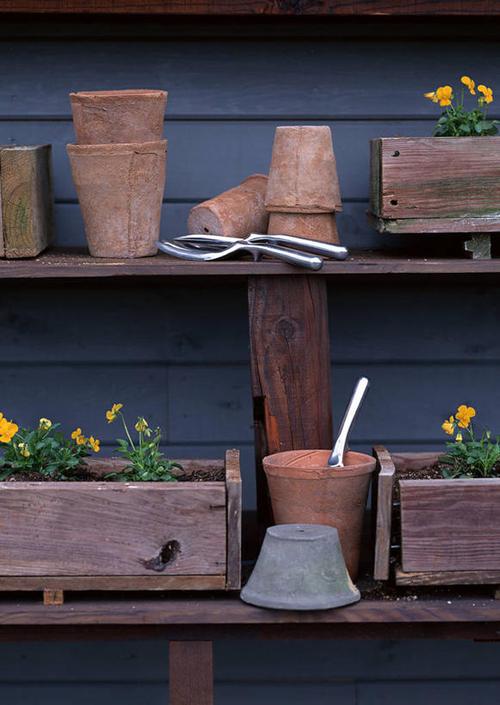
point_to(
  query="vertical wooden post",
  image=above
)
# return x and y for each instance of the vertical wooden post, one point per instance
(290, 358)
(191, 673)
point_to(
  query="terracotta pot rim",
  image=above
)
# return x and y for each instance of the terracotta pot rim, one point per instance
(117, 147)
(277, 465)
(126, 93)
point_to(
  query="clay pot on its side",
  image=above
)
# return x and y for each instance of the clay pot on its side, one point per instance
(234, 213)
(108, 117)
(303, 173)
(304, 490)
(316, 226)
(120, 189)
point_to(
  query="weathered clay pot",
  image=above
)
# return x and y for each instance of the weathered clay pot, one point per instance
(316, 226)
(107, 117)
(300, 567)
(120, 189)
(234, 213)
(303, 174)
(305, 490)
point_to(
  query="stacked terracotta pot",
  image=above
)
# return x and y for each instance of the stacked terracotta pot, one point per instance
(119, 166)
(303, 191)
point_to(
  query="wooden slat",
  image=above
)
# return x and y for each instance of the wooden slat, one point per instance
(257, 7)
(290, 359)
(105, 528)
(439, 177)
(427, 226)
(452, 577)
(450, 525)
(112, 582)
(70, 264)
(234, 509)
(382, 494)
(191, 673)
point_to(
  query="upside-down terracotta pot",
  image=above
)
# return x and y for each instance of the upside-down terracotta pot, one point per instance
(107, 117)
(315, 226)
(120, 189)
(303, 173)
(305, 490)
(234, 213)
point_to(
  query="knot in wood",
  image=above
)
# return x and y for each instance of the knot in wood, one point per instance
(286, 328)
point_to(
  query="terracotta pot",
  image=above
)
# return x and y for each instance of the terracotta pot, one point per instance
(234, 213)
(107, 117)
(120, 189)
(316, 226)
(304, 490)
(303, 174)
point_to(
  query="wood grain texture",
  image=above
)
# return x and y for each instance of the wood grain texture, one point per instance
(257, 7)
(53, 597)
(447, 226)
(191, 673)
(290, 354)
(382, 507)
(103, 528)
(450, 525)
(120, 583)
(26, 200)
(438, 177)
(234, 514)
(452, 577)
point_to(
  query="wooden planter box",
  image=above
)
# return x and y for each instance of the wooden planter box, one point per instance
(123, 536)
(435, 184)
(447, 531)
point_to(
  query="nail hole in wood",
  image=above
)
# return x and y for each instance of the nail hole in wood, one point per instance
(206, 230)
(396, 153)
(394, 202)
(168, 553)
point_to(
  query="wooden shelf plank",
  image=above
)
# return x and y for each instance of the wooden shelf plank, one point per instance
(77, 265)
(257, 7)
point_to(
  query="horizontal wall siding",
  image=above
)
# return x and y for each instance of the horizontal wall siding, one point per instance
(178, 353)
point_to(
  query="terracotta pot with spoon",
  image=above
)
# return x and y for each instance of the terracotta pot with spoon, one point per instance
(325, 487)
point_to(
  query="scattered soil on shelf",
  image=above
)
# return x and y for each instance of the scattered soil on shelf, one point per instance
(85, 474)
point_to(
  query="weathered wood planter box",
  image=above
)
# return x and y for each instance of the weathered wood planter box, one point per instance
(435, 184)
(441, 532)
(106, 535)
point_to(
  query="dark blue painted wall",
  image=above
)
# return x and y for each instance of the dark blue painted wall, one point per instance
(179, 353)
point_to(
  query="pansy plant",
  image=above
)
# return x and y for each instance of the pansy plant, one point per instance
(469, 455)
(457, 120)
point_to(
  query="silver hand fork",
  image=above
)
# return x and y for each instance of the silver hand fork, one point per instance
(336, 459)
(298, 259)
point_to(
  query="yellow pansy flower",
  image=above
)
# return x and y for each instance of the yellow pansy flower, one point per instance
(449, 426)
(95, 444)
(81, 440)
(487, 94)
(464, 415)
(76, 434)
(444, 94)
(23, 449)
(8, 429)
(432, 96)
(459, 438)
(467, 81)
(44, 424)
(113, 412)
(141, 425)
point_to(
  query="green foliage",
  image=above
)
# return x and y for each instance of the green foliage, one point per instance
(468, 456)
(45, 451)
(146, 462)
(458, 122)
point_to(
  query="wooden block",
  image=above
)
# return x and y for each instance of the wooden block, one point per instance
(233, 489)
(452, 577)
(436, 177)
(382, 497)
(26, 201)
(450, 525)
(291, 386)
(191, 677)
(53, 597)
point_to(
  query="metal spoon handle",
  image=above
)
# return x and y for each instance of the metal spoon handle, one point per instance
(350, 414)
(315, 246)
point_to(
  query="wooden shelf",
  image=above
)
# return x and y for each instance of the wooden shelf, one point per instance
(77, 265)
(204, 617)
(348, 8)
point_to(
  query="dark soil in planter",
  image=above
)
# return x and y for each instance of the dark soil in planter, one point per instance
(86, 474)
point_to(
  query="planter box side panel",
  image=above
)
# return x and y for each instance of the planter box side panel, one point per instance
(439, 177)
(102, 529)
(450, 525)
